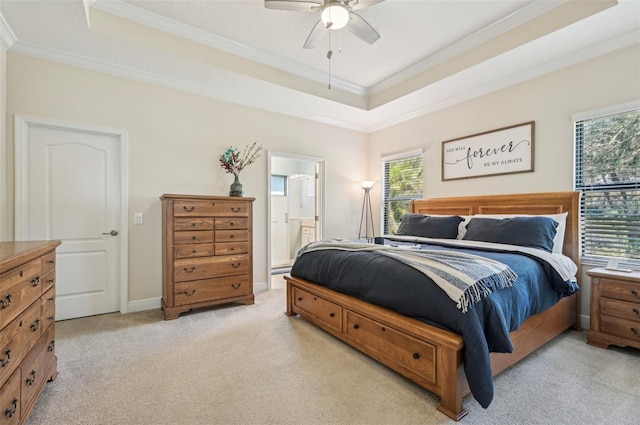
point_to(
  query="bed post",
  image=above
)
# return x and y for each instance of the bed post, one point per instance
(450, 362)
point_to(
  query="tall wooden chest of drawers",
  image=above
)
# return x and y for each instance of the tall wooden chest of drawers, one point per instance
(27, 325)
(207, 252)
(615, 308)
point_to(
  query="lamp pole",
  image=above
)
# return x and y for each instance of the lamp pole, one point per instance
(367, 213)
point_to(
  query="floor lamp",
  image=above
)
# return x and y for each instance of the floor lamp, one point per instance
(367, 215)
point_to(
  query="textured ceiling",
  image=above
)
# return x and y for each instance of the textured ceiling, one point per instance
(431, 54)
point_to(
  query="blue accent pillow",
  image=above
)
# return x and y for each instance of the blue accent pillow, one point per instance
(427, 226)
(533, 232)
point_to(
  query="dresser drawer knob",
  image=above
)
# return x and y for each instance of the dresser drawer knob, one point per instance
(416, 356)
(235, 209)
(231, 236)
(191, 270)
(635, 332)
(634, 292)
(231, 223)
(51, 262)
(51, 281)
(356, 326)
(332, 315)
(5, 362)
(32, 379)
(189, 209)
(235, 265)
(189, 293)
(35, 281)
(35, 326)
(635, 310)
(6, 302)
(51, 346)
(10, 412)
(236, 285)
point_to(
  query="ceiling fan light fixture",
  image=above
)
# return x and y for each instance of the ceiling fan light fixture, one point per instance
(335, 15)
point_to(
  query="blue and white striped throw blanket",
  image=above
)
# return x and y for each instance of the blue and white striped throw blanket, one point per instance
(465, 278)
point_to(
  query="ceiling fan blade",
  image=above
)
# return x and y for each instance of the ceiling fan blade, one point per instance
(294, 5)
(361, 4)
(315, 36)
(362, 29)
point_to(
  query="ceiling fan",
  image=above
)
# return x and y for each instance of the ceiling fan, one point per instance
(334, 15)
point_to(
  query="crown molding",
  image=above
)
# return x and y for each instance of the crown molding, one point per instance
(7, 37)
(162, 23)
(227, 95)
(475, 39)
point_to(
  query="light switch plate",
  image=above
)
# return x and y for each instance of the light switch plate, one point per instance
(137, 218)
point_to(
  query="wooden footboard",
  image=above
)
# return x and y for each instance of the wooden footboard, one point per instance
(429, 356)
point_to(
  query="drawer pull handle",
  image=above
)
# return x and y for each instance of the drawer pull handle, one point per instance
(191, 270)
(213, 204)
(188, 294)
(35, 281)
(32, 379)
(35, 326)
(231, 236)
(235, 265)
(299, 298)
(635, 332)
(235, 209)
(5, 362)
(416, 356)
(51, 346)
(193, 224)
(9, 413)
(356, 326)
(236, 285)
(332, 315)
(6, 302)
(634, 292)
(193, 238)
(383, 329)
(189, 209)
(635, 310)
(51, 298)
(51, 262)
(51, 318)
(232, 249)
(231, 223)
(51, 281)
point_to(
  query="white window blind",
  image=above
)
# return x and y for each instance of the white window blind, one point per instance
(402, 183)
(608, 174)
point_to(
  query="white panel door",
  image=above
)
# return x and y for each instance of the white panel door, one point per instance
(73, 193)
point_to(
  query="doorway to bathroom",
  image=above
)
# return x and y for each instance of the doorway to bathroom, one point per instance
(296, 206)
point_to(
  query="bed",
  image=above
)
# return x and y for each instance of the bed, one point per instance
(428, 352)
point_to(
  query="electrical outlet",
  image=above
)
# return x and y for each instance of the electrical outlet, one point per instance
(137, 218)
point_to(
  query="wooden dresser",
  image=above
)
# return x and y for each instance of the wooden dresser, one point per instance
(27, 323)
(615, 308)
(207, 253)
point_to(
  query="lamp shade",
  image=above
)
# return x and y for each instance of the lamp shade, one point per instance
(367, 184)
(335, 15)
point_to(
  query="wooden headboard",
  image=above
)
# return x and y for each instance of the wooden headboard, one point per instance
(527, 203)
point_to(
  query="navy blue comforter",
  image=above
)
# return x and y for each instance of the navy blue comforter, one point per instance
(383, 281)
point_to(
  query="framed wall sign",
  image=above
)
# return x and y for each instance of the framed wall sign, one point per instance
(506, 150)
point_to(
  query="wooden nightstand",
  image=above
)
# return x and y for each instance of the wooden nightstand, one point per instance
(615, 308)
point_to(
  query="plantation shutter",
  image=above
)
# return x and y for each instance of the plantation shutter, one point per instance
(402, 183)
(608, 174)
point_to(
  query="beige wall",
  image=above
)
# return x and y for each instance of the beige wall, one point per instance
(549, 100)
(174, 142)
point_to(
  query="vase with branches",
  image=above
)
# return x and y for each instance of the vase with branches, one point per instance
(234, 160)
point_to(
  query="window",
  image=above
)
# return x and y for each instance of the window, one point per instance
(608, 174)
(279, 185)
(402, 182)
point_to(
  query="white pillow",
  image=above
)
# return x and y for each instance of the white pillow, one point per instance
(558, 240)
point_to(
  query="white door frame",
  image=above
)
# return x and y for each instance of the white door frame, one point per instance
(21, 125)
(320, 196)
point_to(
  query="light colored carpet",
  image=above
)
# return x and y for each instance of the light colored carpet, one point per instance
(254, 365)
